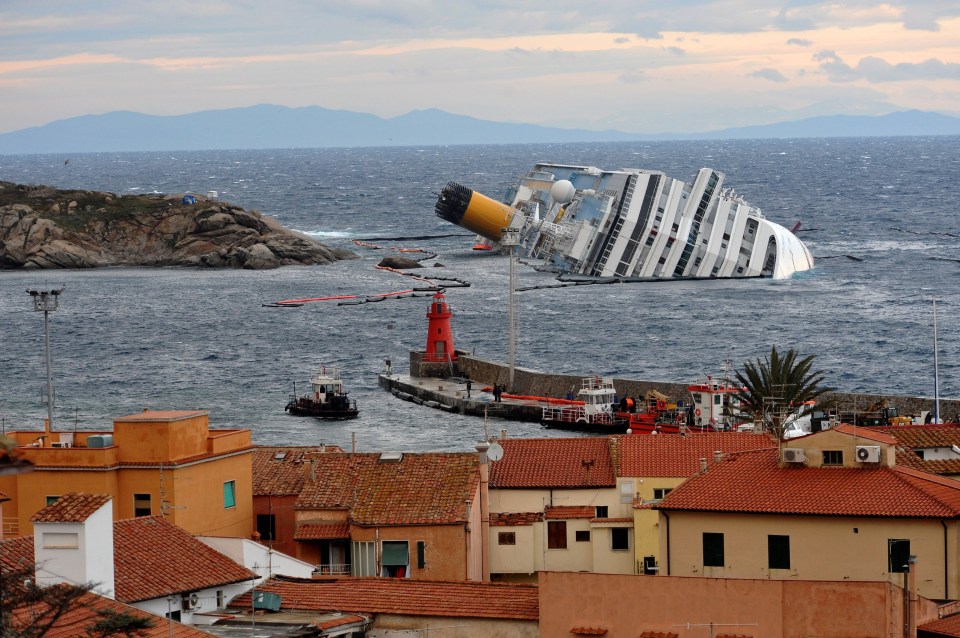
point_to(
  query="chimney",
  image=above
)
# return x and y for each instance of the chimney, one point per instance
(308, 470)
(717, 456)
(703, 465)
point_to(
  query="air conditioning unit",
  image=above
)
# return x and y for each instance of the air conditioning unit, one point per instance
(794, 455)
(191, 602)
(868, 453)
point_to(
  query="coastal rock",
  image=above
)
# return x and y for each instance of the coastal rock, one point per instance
(400, 263)
(42, 227)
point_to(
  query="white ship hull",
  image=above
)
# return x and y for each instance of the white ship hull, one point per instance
(631, 223)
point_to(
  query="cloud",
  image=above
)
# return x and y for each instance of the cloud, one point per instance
(879, 70)
(835, 68)
(631, 77)
(675, 50)
(875, 70)
(769, 74)
(801, 42)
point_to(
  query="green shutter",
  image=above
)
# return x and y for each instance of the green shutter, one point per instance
(229, 494)
(395, 553)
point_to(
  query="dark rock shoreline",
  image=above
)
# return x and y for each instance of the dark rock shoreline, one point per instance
(43, 227)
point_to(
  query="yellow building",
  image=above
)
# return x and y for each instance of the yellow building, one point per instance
(154, 462)
(830, 506)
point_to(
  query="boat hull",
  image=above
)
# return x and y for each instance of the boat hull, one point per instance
(308, 407)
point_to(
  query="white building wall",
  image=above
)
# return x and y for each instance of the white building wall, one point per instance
(255, 556)
(77, 553)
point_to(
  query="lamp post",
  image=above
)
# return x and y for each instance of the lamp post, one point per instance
(509, 238)
(47, 301)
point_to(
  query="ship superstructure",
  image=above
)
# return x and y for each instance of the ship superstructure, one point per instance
(631, 223)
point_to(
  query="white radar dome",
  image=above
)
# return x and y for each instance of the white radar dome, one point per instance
(562, 191)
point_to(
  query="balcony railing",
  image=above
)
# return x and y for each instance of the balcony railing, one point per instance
(332, 569)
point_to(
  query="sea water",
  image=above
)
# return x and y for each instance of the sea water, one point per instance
(879, 216)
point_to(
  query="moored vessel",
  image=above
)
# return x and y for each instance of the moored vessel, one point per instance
(327, 398)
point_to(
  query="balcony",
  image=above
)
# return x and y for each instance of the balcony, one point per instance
(331, 570)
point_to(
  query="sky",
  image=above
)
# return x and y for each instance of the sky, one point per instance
(630, 65)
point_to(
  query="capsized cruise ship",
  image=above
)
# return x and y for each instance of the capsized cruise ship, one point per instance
(630, 223)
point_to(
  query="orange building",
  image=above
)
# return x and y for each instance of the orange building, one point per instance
(155, 462)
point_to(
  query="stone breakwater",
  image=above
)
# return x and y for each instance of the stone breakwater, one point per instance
(42, 227)
(532, 382)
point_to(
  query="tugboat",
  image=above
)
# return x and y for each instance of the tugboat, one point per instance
(327, 399)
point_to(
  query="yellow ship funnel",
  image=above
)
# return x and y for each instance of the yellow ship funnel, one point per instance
(477, 213)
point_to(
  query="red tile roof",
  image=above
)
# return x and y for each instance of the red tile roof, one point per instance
(515, 519)
(16, 552)
(319, 531)
(556, 512)
(84, 615)
(280, 471)
(672, 455)
(406, 596)
(340, 621)
(873, 434)
(589, 631)
(753, 482)
(612, 520)
(156, 558)
(949, 626)
(420, 489)
(925, 436)
(555, 462)
(73, 507)
(658, 634)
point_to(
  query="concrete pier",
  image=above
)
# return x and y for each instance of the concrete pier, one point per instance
(451, 394)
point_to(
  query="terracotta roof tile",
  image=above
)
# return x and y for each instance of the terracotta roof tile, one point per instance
(612, 520)
(16, 552)
(420, 489)
(406, 596)
(515, 519)
(825, 491)
(874, 434)
(678, 456)
(948, 626)
(658, 634)
(589, 631)
(85, 614)
(925, 436)
(556, 512)
(315, 531)
(280, 471)
(73, 507)
(156, 558)
(347, 619)
(555, 462)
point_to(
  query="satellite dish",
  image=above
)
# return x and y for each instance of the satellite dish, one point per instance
(495, 452)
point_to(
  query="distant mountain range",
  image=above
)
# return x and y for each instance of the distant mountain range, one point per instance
(271, 126)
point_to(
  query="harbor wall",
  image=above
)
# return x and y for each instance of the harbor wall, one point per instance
(533, 382)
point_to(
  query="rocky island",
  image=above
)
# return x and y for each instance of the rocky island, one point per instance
(43, 227)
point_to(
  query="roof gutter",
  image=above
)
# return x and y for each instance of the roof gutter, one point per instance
(667, 517)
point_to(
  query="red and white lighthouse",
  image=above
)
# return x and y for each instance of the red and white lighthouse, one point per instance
(439, 333)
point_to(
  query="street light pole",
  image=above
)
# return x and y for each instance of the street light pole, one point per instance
(47, 301)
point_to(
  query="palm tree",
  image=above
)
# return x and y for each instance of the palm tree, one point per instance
(780, 385)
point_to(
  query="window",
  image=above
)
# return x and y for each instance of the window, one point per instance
(619, 538)
(778, 552)
(712, 549)
(582, 535)
(507, 538)
(556, 534)
(898, 555)
(267, 527)
(833, 457)
(141, 505)
(52, 499)
(650, 565)
(626, 493)
(395, 558)
(220, 600)
(603, 511)
(661, 492)
(229, 494)
(421, 554)
(363, 558)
